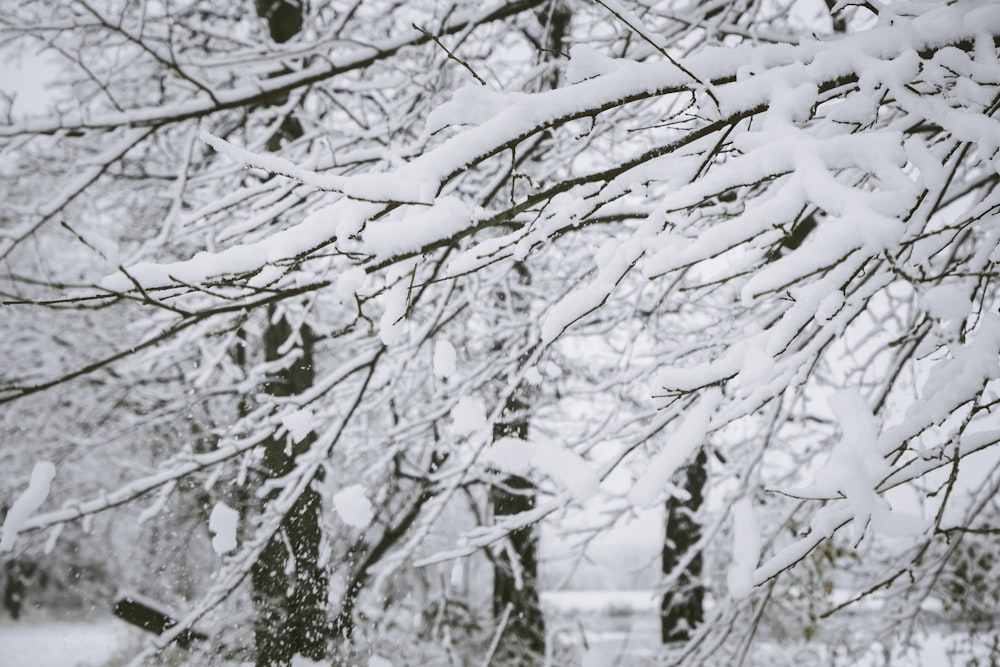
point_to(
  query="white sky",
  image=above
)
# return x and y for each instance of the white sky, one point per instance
(28, 77)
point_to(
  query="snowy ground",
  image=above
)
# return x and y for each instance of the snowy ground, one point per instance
(50, 643)
(618, 628)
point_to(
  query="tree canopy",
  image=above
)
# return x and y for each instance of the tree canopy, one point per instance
(760, 234)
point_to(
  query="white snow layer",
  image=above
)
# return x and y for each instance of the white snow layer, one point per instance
(444, 358)
(746, 549)
(222, 524)
(353, 507)
(299, 424)
(510, 455)
(468, 415)
(829, 306)
(946, 302)
(29, 501)
(784, 76)
(567, 468)
(392, 328)
(533, 376)
(415, 228)
(677, 450)
(586, 62)
(348, 283)
(471, 105)
(366, 187)
(855, 467)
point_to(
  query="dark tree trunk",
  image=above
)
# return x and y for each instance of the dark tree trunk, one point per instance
(513, 495)
(16, 573)
(289, 587)
(682, 607)
(525, 631)
(284, 21)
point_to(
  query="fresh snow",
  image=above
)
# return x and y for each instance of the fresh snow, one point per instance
(586, 62)
(444, 358)
(299, 424)
(348, 283)
(784, 76)
(510, 455)
(471, 104)
(567, 468)
(26, 504)
(533, 376)
(468, 415)
(746, 549)
(365, 187)
(414, 228)
(831, 136)
(353, 507)
(676, 450)
(947, 302)
(222, 523)
(855, 465)
(36, 643)
(392, 325)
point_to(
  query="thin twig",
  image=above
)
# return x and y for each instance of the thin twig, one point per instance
(642, 33)
(504, 617)
(451, 55)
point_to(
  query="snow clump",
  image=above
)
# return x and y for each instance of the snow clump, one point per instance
(29, 501)
(444, 358)
(353, 507)
(222, 524)
(468, 415)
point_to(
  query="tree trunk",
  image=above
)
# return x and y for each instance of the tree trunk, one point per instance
(515, 584)
(513, 495)
(289, 587)
(682, 607)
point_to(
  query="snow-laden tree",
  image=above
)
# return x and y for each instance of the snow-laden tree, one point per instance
(759, 238)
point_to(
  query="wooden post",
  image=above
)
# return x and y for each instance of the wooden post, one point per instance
(152, 616)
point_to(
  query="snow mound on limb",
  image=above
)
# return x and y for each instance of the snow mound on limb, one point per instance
(746, 549)
(468, 415)
(444, 359)
(680, 445)
(29, 501)
(222, 524)
(564, 466)
(353, 507)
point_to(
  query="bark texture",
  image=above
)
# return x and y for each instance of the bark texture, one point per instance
(515, 571)
(289, 587)
(682, 608)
